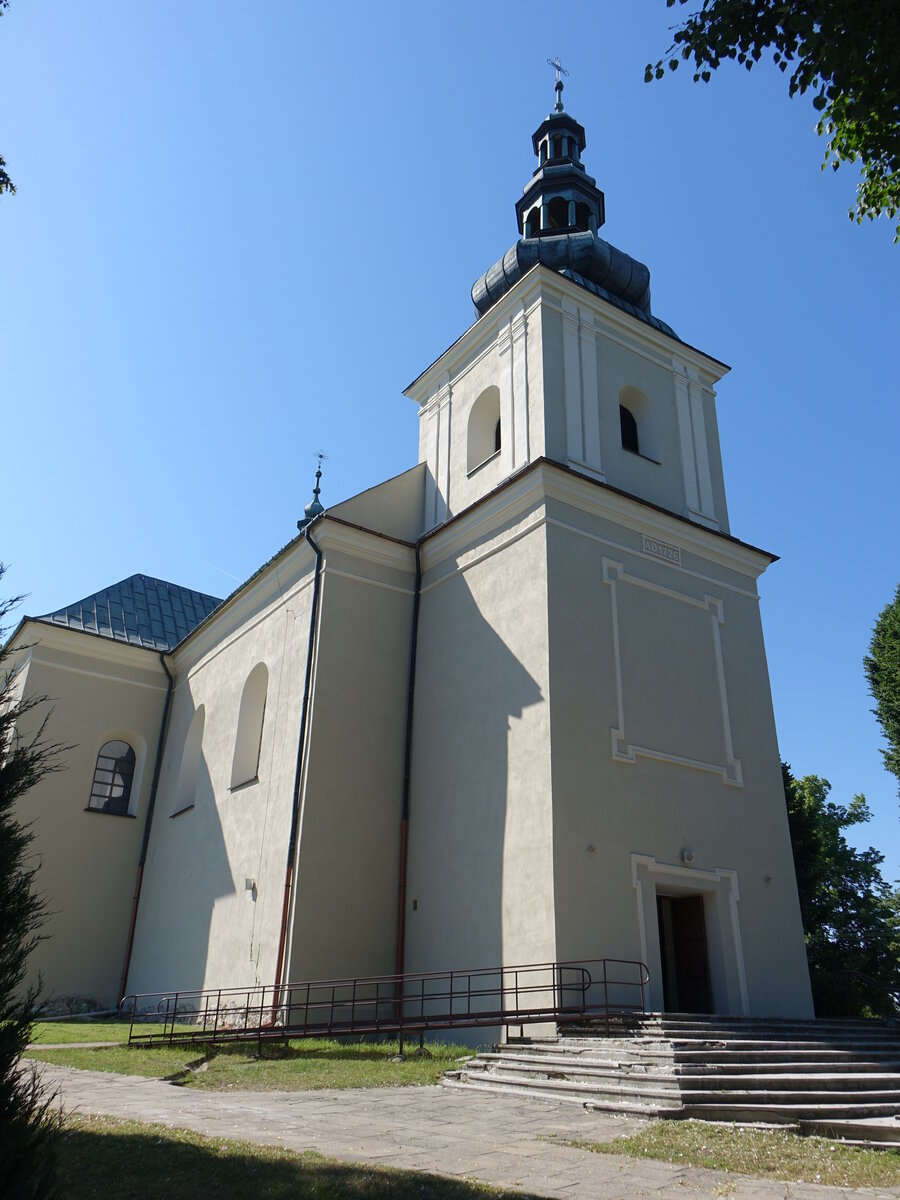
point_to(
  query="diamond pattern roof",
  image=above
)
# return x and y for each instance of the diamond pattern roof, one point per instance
(140, 610)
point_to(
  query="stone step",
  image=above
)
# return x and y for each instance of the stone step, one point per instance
(540, 1062)
(791, 1066)
(851, 1075)
(622, 1107)
(883, 1131)
(888, 1098)
(594, 1080)
(615, 1098)
(781, 1113)
(776, 1089)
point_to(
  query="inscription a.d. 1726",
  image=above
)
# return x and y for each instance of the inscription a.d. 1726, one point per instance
(660, 549)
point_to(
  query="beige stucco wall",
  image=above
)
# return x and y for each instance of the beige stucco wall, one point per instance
(563, 360)
(345, 911)
(671, 656)
(210, 911)
(100, 691)
(480, 862)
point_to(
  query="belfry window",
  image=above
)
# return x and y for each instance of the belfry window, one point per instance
(484, 432)
(629, 429)
(558, 213)
(113, 777)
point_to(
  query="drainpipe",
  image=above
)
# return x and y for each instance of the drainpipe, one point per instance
(148, 820)
(298, 775)
(407, 759)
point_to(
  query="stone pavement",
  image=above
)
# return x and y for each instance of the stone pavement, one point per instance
(502, 1140)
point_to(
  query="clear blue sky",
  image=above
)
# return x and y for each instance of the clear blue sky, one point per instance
(242, 229)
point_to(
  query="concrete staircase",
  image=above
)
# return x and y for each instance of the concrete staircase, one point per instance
(802, 1073)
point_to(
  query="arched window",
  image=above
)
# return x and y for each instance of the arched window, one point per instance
(582, 217)
(245, 764)
(558, 213)
(629, 430)
(190, 763)
(483, 438)
(638, 423)
(533, 222)
(113, 777)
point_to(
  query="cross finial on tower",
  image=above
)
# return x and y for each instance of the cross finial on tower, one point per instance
(315, 507)
(560, 71)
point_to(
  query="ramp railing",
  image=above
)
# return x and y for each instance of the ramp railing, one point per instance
(413, 1003)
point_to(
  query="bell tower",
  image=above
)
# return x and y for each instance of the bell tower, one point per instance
(561, 196)
(567, 361)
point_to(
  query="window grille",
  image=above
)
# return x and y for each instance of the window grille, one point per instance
(113, 776)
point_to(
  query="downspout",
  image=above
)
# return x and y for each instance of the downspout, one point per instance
(407, 760)
(148, 820)
(298, 775)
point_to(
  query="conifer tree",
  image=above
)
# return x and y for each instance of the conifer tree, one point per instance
(28, 1123)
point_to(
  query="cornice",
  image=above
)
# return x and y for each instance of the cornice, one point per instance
(542, 285)
(89, 645)
(601, 500)
(336, 534)
(544, 479)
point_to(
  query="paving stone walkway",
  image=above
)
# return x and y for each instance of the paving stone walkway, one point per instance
(501, 1140)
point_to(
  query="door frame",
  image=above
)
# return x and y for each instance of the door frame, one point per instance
(719, 887)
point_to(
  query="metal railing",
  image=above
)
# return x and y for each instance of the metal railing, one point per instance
(391, 1004)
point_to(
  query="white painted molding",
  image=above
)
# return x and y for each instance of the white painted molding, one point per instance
(519, 328)
(55, 665)
(625, 751)
(547, 480)
(364, 544)
(622, 548)
(541, 286)
(639, 517)
(91, 645)
(718, 880)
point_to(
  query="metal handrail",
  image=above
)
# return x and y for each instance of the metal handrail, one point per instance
(414, 1002)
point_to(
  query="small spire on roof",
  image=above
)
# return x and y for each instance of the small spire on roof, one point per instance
(315, 507)
(560, 71)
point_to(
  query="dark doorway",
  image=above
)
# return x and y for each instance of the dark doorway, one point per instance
(682, 950)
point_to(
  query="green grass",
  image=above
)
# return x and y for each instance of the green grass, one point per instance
(100, 1156)
(80, 1031)
(765, 1153)
(301, 1065)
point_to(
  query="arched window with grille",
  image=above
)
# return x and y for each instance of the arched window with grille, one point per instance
(113, 779)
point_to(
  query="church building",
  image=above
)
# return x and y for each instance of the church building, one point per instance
(511, 706)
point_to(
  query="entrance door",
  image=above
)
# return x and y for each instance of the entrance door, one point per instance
(682, 949)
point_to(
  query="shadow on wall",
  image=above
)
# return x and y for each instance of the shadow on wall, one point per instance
(191, 872)
(471, 692)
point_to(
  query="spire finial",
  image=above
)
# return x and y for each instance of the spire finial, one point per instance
(315, 507)
(560, 71)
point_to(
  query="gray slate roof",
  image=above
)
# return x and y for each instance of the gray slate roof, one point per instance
(140, 610)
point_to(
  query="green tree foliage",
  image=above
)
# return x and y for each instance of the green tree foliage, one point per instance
(851, 917)
(28, 1125)
(882, 666)
(846, 52)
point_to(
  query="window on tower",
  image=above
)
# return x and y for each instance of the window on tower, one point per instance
(484, 433)
(558, 213)
(629, 427)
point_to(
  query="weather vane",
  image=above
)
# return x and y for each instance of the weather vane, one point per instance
(560, 71)
(315, 507)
